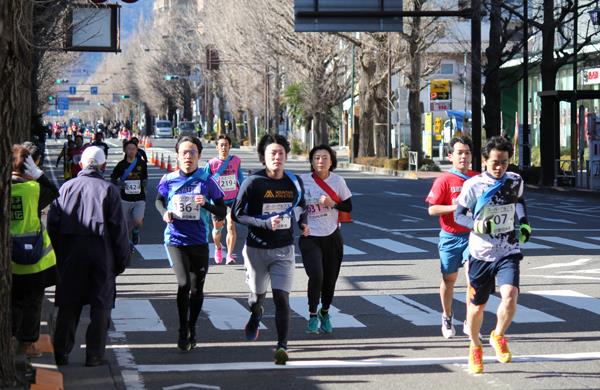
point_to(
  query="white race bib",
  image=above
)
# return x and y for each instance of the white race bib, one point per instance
(503, 217)
(228, 183)
(286, 220)
(184, 207)
(133, 187)
(315, 209)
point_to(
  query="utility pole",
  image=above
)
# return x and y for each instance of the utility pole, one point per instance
(388, 100)
(525, 157)
(353, 135)
(574, 98)
(476, 82)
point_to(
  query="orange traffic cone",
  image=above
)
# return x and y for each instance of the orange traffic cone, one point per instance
(162, 161)
(169, 166)
(148, 142)
(152, 160)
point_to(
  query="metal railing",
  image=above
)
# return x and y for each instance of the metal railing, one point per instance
(566, 173)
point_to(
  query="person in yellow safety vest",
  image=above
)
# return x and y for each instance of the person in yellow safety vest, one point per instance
(32, 256)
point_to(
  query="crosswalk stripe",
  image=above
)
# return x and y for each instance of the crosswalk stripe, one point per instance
(594, 238)
(338, 319)
(158, 251)
(397, 193)
(571, 298)
(431, 240)
(348, 250)
(393, 246)
(136, 315)
(524, 315)
(226, 313)
(407, 309)
(569, 242)
(533, 245)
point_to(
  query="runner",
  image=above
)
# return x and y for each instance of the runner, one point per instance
(494, 198)
(75, 154)
(266, 202)
(454, 239)
(65, 155)
(322, 251)
(227, 172)
(131, 175)
(184, 200)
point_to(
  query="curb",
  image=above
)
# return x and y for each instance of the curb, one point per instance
(380, 171)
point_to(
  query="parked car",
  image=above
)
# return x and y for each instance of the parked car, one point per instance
(187, 128)
(163, 129)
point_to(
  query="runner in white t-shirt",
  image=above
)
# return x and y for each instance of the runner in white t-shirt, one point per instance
(323, 250)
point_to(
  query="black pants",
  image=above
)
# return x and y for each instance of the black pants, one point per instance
(26, 314)
(190, 264)
(322, 258)
(95, 337)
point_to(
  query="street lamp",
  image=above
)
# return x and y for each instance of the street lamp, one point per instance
(595, 16)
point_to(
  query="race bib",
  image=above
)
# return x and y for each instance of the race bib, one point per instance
(315, 209)
(228, 183)
(185, 208)
(133, 187)
(270, 208)
(503, 217)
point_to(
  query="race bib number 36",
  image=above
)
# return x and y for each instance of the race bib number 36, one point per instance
(184, 207)
(270, 208)
(228, 183)
(133, 187)
(503, 217)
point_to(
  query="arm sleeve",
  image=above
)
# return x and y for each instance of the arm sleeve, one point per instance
(160, 204)
(303, 219)
(48, 192)
(240, 206)
(521, 208)
(465, 202)
(345, 205)
(218, 207)
(461, 217)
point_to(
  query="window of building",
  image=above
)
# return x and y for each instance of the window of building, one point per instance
(447, 68)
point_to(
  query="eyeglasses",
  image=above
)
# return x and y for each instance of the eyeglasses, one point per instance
(192, 153)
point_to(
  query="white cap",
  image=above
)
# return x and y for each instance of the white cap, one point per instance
(93, 155)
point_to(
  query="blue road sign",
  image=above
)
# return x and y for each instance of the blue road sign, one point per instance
(63, 103)
(72, 90)
(94, 90)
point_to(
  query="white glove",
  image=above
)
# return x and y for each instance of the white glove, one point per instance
(31, 169)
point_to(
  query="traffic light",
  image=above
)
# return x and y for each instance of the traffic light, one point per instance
(212, 59)
(62, 81)
(171, 77)
(124, 96)
(51, 99)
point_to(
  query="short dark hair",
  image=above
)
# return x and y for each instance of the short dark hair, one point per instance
(462, 140)
(129, 142)
(269, 139)
(188, 138)
(499, 143)
(329, 150)
(135, 140)
(224, 136)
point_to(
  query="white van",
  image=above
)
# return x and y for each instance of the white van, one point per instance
(163, 129)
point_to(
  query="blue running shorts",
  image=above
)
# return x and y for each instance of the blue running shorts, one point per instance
(454, 251)
(484, 275)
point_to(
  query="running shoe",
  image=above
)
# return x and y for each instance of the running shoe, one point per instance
(192, 338)
(183, 342)
(475, 359)
(500, 345)
(313, 325)
(135, 236)
(281, 356)
(218, 256)
(252, 327)
(447, 327)
(325, 322)
(467, 331)
(230, 259)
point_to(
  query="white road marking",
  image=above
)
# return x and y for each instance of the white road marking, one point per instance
(568, 242)
(433, 240)
(524, 315)
(571, 298)
(562, 277)
(419, 207)
(555, 220)
(131, 376)
(408, 309)
(397, 194)
(533, 245)
(371, 226)
(561, 265)
(191, 386)
(226, 313)
(136, 315)
(348, 250)
(393, 246)
(338, 319)
(362, 363)
(152, 251)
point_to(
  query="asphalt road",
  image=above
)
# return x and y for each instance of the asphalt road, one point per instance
(387, 332)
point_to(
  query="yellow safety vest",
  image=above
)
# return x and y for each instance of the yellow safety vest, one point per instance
(24, 221)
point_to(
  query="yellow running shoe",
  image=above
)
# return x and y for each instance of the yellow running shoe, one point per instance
(500, 345)
(475, 359)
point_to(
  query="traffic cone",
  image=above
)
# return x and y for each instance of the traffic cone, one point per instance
(152, 159)
(169, 166)
(142, 143)
(162, 161)
(148, 142)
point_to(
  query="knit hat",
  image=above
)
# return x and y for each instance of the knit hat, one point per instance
(93, 155)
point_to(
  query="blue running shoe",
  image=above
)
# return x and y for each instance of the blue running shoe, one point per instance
(325, 322)
(252, 327)
(313, 325)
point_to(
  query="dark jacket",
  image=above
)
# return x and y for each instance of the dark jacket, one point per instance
(89, 235)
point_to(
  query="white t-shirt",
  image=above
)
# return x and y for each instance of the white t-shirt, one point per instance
(323, 220)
